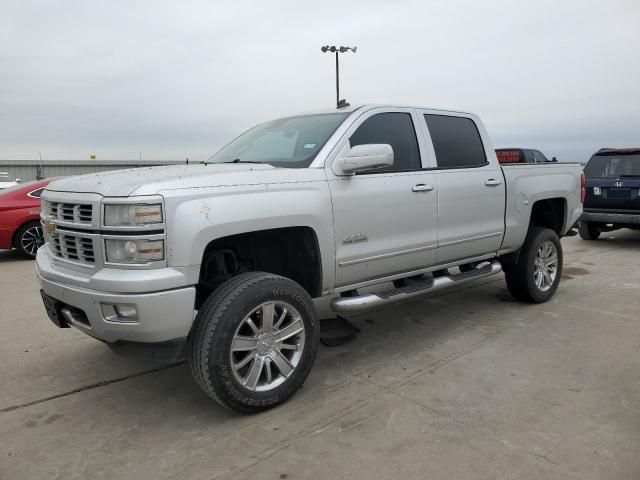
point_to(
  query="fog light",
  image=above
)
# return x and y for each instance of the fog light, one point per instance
(120, 313)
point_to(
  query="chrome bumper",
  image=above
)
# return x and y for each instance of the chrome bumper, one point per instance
(161, 315)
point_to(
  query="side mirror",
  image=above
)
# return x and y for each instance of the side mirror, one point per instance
(363, 158)
(554, 159)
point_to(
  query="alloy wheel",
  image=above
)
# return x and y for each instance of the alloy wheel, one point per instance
(545, 266)
(32, 239)
(267, 346)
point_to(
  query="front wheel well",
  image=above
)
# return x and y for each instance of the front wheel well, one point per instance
(291, 252)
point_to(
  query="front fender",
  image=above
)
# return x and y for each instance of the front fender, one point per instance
(217, 212)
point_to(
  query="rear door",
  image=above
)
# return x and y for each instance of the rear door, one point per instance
(471, 189)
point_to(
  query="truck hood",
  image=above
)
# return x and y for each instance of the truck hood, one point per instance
(153, 180)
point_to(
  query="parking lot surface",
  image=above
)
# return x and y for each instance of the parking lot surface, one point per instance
(466, 384)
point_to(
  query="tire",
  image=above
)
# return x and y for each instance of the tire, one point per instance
(228, 317)
(588, 231)
(28, 239)
(523, 277)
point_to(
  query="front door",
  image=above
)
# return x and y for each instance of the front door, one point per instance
(385, 221)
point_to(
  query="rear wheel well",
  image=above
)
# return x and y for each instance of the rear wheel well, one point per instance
(549, 213)
(291, 252)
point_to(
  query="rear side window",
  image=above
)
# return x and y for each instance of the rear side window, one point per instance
(395, 129)
(36, 193)
(456, 141)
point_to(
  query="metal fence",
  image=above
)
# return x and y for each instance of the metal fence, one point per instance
(27, 170)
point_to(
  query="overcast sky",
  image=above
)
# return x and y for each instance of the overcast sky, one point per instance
(178, 79)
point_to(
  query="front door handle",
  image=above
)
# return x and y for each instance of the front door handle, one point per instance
(492, 182)
(421, 187)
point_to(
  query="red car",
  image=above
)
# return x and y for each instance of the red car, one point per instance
(20, 217)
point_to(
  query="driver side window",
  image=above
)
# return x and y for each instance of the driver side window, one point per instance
(395, 129)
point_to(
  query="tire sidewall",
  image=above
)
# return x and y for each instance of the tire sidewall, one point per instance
(534, 242)
(222, 379)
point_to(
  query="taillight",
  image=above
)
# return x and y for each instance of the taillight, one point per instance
(583, 188)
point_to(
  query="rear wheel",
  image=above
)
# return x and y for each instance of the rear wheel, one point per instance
(29, 239)
(588, 231)
(254, 341)
(536, 275)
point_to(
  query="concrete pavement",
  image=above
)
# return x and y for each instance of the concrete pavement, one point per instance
(467, 384)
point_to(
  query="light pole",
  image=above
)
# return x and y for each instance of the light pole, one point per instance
(337, 50)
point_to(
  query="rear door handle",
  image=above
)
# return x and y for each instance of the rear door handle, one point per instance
(421, 187)
(492, 182)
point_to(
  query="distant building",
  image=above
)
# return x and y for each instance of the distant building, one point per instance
(27, 170)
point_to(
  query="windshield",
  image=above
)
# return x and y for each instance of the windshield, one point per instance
(288, 142)
(613, 166)
(5, 177)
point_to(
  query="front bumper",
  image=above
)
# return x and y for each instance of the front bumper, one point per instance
(162, 316)
(607, 217)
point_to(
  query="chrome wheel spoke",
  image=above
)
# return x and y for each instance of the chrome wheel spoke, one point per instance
(241, 343)
(244, 361)
(254, 373)
(252, 325)
(288, 346)
(282, 363)
(267, 367)
(283, 315)
(268, 312)
(290, 330)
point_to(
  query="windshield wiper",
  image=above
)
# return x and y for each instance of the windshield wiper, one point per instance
(237, 160)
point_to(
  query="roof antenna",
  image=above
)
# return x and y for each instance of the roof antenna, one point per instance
(340, 103)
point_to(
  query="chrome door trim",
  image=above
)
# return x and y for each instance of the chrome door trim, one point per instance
(470, 239)
(386, 255)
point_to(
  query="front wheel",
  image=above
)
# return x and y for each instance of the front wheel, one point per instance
(536, 275)
(29, 239)
(254, 341)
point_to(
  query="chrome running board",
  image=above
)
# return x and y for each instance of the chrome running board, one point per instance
(416, 289)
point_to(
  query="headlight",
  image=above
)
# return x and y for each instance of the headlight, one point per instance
(134, 251)
(132, 215)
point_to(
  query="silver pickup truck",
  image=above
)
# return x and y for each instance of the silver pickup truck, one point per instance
(219, 262)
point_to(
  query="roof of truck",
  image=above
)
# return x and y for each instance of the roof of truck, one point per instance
(369, 106)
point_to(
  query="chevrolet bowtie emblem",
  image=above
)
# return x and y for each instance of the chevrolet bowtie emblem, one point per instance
(48, 226)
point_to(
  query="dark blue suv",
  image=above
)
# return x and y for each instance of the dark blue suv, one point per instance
(612, 198)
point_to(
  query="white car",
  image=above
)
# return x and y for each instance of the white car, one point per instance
(6, 180)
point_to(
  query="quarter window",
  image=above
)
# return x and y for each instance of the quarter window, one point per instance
(395, 129)
(456, 141)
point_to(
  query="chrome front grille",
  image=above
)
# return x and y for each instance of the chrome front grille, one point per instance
(73, 247)
(79, 213)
